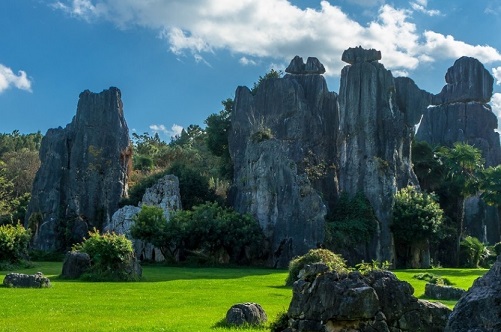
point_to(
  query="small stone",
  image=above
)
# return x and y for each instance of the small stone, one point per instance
(20, 280)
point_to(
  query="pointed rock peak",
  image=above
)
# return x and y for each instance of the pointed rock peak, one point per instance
(298, 67)
(358, 55)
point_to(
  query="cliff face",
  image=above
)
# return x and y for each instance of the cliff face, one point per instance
(281, 146)
(373, 141)
(83, 172)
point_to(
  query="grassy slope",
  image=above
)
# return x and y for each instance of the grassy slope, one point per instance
(169, 299)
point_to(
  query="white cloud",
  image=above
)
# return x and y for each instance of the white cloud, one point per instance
(496, 107)
(84, 9)
(278, 30)
(496, 72)
(175, 130)
(247, 62)
(420, 6)
(8, 79)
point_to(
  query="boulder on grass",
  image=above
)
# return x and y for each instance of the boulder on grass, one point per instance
(439, 292)
(19, 280)
(75, 264)
(246, 313)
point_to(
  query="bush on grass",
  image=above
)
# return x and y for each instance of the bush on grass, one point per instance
(14, 242)
(333, 261)
(112, 257)
(281, 323)
(433, 279)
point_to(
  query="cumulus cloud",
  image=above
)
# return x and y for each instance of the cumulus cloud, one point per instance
(8, 78)
(247, 62)
(496, 72)
(174, 131)
(278, 30)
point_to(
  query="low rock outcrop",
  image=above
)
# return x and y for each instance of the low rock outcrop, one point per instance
(373, 141)
(246, 314)
(377, 301)
(75, 264)
(20, 280)
(83, 172)
(281, 145)
(164, 194)
(440, 292)
(480, 307)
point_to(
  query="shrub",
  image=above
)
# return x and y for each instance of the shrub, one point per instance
(112, 256)
(433, 279)
(14, 242)
(472, 252)
(281, 323)
(333, 261)
(366, 267)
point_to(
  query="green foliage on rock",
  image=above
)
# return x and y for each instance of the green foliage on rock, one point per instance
(112, 256)
(333, 261)
(433, 279)
(351, 223)
(14, 240)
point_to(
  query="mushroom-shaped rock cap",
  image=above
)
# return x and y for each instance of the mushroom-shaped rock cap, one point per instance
(298, 67)
(359, 55)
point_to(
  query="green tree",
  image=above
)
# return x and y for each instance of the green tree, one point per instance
(472, 253)
(463, 164)
(490, 186)
(417, 218)
(218, 129)
(14, 240)
(272, 74)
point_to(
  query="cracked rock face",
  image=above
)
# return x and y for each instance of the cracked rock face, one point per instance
(281, 144)
(373, 140)
(83, 173)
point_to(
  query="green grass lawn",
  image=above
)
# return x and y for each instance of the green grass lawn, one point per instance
(169, 299)
(461, 278)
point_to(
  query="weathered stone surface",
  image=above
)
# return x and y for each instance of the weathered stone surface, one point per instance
(164, 194)
(19, 280)
(373, 143)
(440, 292)
(75, 264)
(479, 308)
(358, 54)
(281, 144)
(298, 67)
(83, 172)
(246, 313)
(467, 80)
(411, 100)
(354, 302)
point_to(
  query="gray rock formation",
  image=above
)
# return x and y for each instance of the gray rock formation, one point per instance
(439, 292)
(373, 140)
(355, 55)
(75, 264)
(281, 144)
(479, 309)
(20, 280)
(164, 194)
(83, 172)
(461, 114)
(354, 302)
(246, 314)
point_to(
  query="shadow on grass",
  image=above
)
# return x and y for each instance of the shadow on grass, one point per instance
(223, 325)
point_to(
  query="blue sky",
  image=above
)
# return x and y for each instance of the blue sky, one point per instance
(176, 60)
